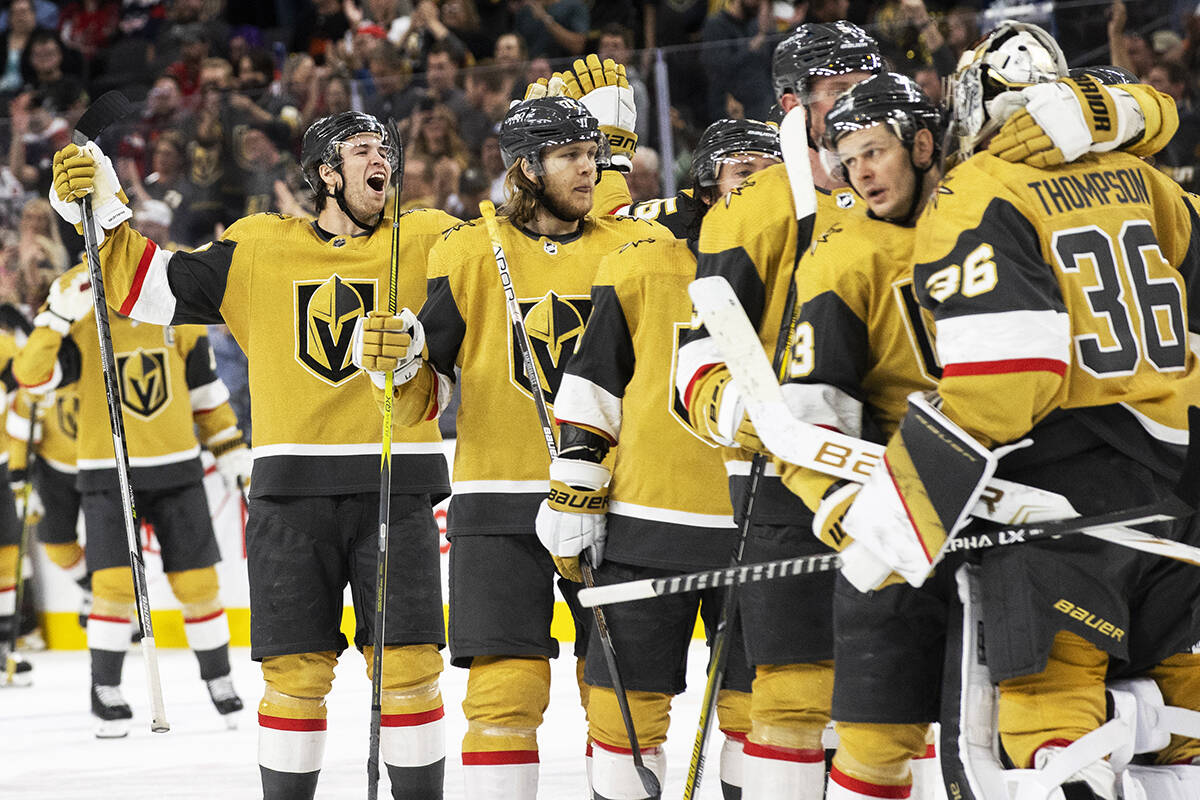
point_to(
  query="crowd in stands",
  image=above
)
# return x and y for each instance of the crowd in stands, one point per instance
(224, 91)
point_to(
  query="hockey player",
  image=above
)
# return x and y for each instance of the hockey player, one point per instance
(289, 289)
(1065, 297)
(10, 536)
(501, 578)
(616, 394)
(158, 368)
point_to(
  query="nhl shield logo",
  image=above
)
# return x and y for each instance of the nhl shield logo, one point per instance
(67, 411)
(325, 315)
(145, 382)
(554, 325)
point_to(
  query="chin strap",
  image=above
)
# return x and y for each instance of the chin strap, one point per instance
(340, 197)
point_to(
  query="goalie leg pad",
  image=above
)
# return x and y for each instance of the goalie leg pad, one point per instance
(1178, 782)
(291, 718)
(873, 759)
(1178, 677)
(506, 698)
(1057, 705)
(921, 493)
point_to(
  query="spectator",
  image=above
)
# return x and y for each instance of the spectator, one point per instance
(486, 95)
(390, 97)
(45, 71)
(510, 54)
(424, 30)
(668, 23)
(827, 10)
(417, 191)
(962, 30)
(473, 188)
(386, 14)
(319, 26)
(262, 155)
(45, 14)
(246, 39)
(1127, 49)
(645, 179)
(462, 19)
(493, 165)
(168, 182)
(553, 28)
(930, 82)
(193, 49)
(88, 26)
(259, 105)
(441, 77)
(910, 38)
(737, 60)
(299, 86)
(339, 96)
(14, 41)
(616, 42)
(433, 136)
(41, 256)
(1180, 157)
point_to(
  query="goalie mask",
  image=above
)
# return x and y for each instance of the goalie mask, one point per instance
(532, 126)
(984, 89)
(732, 139)
(323, 143)
(819, 49)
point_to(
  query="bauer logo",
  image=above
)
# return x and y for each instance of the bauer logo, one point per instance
(554, 325)
(325, 315)
(67, 409)
(144, 380)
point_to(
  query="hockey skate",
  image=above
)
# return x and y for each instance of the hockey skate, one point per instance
(22, 670)
(111, 711)
(225, 699)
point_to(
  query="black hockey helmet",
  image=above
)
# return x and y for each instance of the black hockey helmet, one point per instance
(533, 125)
(819, 49)
(728, 137)
(323, 138)
(889, 98)
(1107, 74)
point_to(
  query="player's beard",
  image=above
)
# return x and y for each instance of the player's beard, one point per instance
(559, 209)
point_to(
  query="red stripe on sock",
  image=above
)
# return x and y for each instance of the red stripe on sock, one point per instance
(797, 755)
(205, 618)
(930, 751)
(625, 751)
(10, 588)
(869, 789)
(100, 618)
(737, 736)
(139, 277)
(490, 758)
(411, 720)
(587, 751)
(289, 724)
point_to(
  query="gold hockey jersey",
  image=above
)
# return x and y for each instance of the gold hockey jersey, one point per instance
(168, 385)
(500, 460)
(668, 500)
(751, 237)
(58, 425)
(290, 294)
(1068, 291)
(8, 352)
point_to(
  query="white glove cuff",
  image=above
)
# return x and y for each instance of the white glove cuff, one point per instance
(111, 213)
(48, 319)
(729, 415)
(578, 473)
(1131, 122)
(71, 212)
(831, 502)
(862, 568)
(1056, 109)
(612, 105)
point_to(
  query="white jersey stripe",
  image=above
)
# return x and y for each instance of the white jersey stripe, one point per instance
(586, 403)
(670, 515)
(1004, 336)
(330, 450)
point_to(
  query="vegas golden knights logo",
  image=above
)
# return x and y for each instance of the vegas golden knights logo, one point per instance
(325, 316)
(554, 325)
(67, 409)
(145, 383)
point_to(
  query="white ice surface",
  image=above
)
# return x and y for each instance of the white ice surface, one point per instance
(47, 749)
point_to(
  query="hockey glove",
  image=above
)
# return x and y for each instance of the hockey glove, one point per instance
(827, 521)
(573, 516)
(916, 499)
(605, 92)
(385, 343)
(718, 411)
(1063, 120)
(66, 304)
(77, 172)
(27, 497)
(234, 462)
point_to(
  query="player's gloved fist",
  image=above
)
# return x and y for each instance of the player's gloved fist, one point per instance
(80, 171)
(1060, 122)
(604, 90)
(572, 517)
(717, 409)
(65, 305)
(386, 343)
(234, 462)
(28, 501)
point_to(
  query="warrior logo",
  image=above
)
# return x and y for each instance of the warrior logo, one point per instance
(67, 409)
(325, 315)
(554, 325)
(145, 383)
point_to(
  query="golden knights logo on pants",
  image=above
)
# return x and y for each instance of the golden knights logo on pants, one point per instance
(144, 381)
(554, 324)
(325, 315)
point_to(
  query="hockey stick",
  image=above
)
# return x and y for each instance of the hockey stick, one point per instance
(842, 456)
(385, 516)
(488, 211)
(825, 562)
(108, 108)
(10, 667)
(793, 138)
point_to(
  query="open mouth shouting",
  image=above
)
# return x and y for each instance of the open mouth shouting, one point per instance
(377, 181)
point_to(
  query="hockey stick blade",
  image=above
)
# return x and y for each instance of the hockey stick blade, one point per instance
(104, 111)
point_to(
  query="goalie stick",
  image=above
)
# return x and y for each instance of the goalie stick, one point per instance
(488, 211)
(842, 456)
(108, 108)
(793, 141)
(825, 562)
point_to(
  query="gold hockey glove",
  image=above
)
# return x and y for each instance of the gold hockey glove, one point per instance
(717, 411)
(604, 90)
(573, 516)
(1060, 122)
(386, 343)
